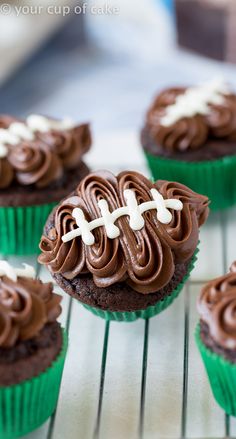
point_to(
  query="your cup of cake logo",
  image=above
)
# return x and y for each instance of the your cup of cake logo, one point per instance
(64, 10)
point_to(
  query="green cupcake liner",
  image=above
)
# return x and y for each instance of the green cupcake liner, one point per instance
(150, 311)
(214, 178)
(221, 374)
(26, 406)
(21, 228)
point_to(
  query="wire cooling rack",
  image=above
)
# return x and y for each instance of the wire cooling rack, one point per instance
(144, 379)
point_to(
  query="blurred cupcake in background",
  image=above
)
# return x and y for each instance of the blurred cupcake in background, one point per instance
(124, 246)
(32, 350)
(216, 21)
(216, 337)
(40, 162)
(190, 136)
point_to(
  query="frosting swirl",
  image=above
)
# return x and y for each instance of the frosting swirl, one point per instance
(233, 267)
(216, 119)
(26, 306)
(223, 324)
(6, 173)
(69, 145)
(217, 307)
(35, 164)
(186, 132)
(222, 118)
(144, 259)
(42, 157)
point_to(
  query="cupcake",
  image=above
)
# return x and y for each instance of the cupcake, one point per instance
(32, 350)
(216, 337)
(124, 246)
(190, 136)
(40, 163)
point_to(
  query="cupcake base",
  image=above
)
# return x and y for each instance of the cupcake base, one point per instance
(24, 212)
(19, 195)
(150, 311)
(131, 316)
(221, 374)
(21, 228)
(26, 406)
(136, 306)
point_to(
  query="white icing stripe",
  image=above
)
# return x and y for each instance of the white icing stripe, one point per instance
(36, 122)
(7, 270)
(132, 209)
(195, 101)
(136, 220)
(18, 131)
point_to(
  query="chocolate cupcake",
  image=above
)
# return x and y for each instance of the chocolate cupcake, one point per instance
(216, 337)
(32, 350)
(190, 136)
(40, 163)
(124, 246)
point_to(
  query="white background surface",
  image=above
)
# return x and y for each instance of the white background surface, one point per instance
(22, 33)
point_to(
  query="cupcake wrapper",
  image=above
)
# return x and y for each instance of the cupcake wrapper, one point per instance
(21, 228)
(221, 374)
(26, 406)
(150, 311)
(215, 178)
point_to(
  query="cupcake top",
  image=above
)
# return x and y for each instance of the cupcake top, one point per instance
(39, 150)
(183, 118)
(124, 229)
(26, 304)
(217, 308)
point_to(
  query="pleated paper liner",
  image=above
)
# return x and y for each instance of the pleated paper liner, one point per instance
(21, 228)
(221, 374)
(26, 406)
(214, 178)
(150, 311)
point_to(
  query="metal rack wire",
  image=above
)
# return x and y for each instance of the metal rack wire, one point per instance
(185, 375)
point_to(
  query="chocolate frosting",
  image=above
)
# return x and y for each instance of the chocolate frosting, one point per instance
(217, 308)
(43, 160)
(222, 119)
(26, 306)
(144, 259)
(191, 132)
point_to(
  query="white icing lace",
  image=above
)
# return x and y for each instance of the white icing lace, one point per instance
(132, 209)
(18, 131)
(195, 101)
(7, 270)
